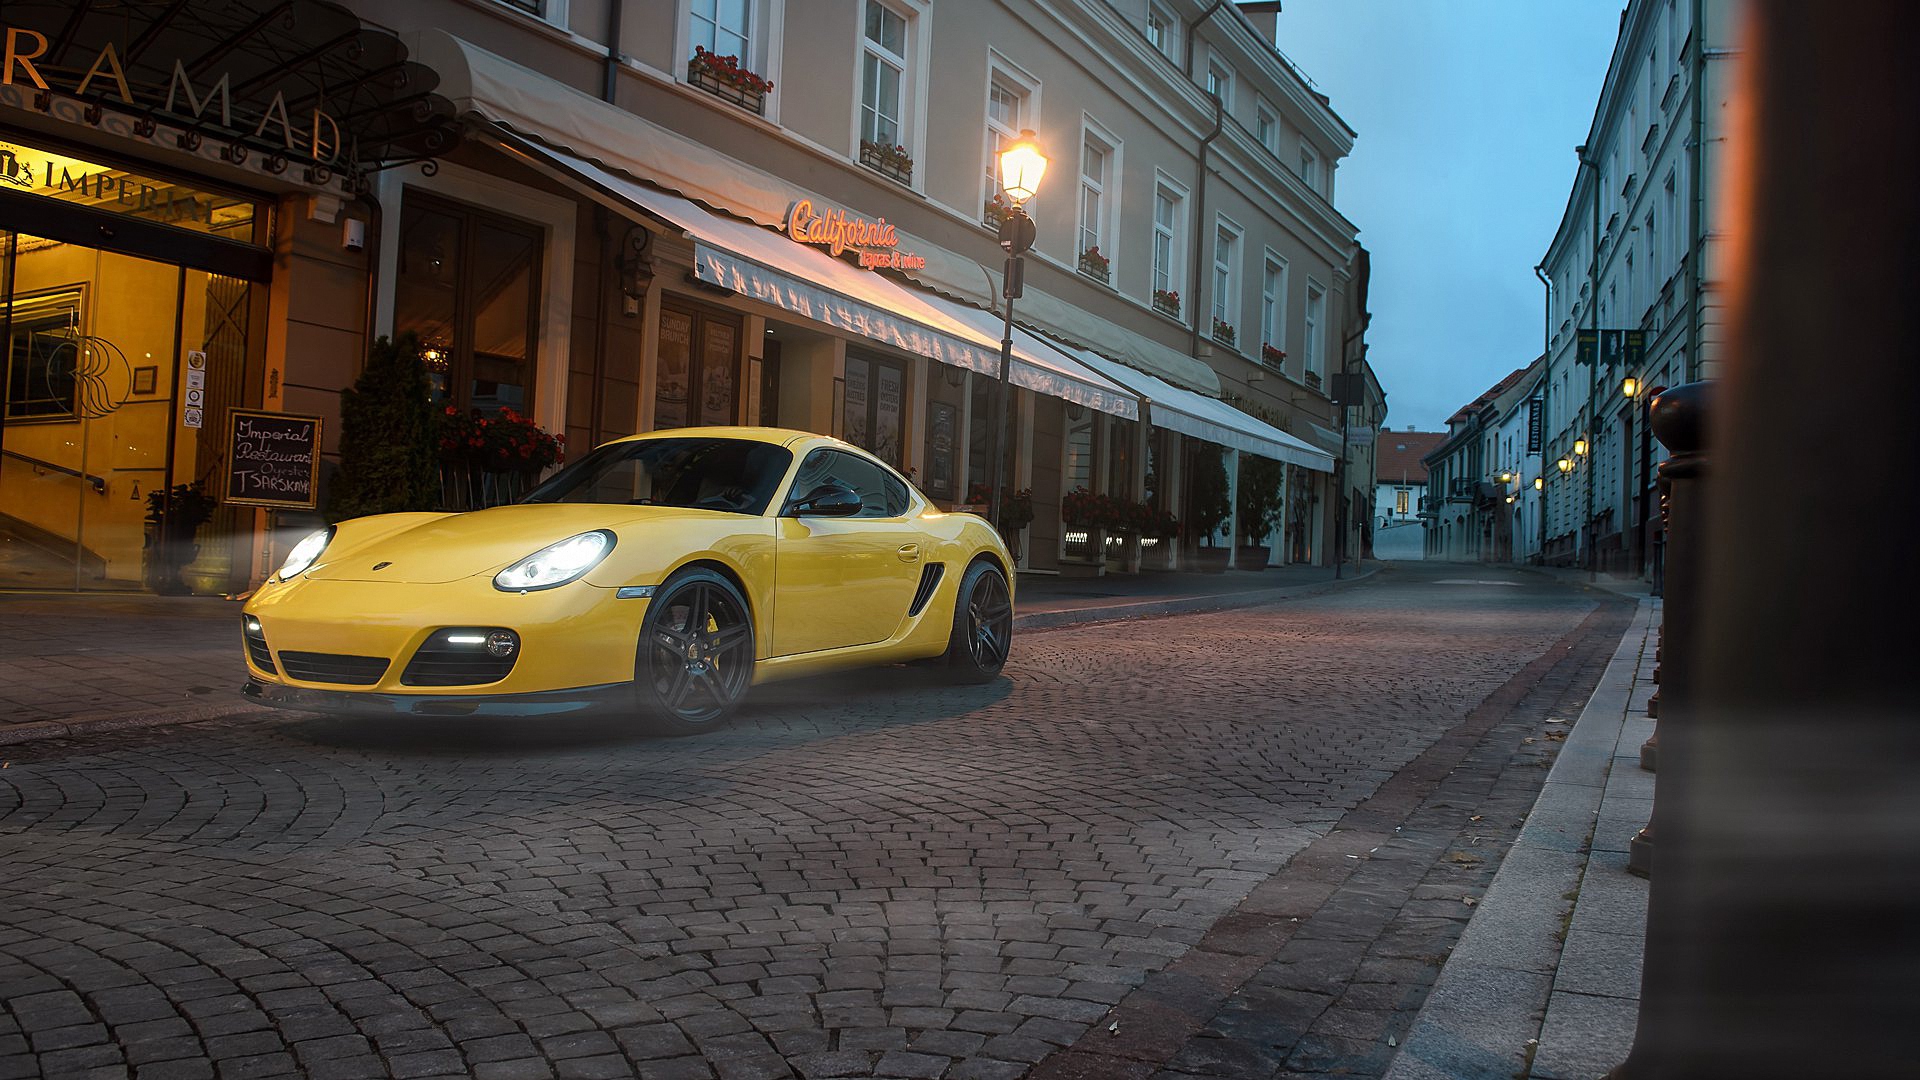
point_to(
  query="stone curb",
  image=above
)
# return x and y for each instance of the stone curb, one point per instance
(95, 723)
(1486, 1015)
(1180, 605)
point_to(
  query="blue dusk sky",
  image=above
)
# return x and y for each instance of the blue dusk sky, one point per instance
(1467, 112)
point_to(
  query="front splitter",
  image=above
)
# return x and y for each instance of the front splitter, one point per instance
(608, 698)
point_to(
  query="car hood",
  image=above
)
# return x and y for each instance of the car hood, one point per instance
(481, 542)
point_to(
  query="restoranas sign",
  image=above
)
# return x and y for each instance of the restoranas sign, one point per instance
(871, 238)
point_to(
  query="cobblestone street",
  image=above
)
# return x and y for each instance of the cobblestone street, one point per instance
(1222, 844)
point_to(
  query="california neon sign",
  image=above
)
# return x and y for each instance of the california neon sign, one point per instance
(874, 240)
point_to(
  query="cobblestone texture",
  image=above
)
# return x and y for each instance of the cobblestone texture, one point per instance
(865, 875)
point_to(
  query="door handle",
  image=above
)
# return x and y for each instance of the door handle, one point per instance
(909, 552)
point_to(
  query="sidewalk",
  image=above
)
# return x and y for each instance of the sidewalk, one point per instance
(1545, 983)
(75, 663)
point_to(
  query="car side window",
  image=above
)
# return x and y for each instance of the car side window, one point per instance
(869, 481)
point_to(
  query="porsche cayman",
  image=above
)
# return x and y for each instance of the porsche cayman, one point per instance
(661, 575)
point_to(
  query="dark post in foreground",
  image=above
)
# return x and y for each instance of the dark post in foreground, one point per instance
(1780, 932)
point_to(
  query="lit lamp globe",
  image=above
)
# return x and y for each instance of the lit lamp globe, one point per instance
(1630, 387)
(1566, 465)
(1580, 447)
(1539, 483)
(1021, 167)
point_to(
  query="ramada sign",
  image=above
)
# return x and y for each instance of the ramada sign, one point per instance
(875, 240)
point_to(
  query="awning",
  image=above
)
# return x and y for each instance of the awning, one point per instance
(1208, 418)
(497, 89)
(1326, 437)
(768, 267)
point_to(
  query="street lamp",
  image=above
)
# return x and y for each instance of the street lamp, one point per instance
(1566, 465)
(1021, 167)
(1580, 447)
(1539, 483)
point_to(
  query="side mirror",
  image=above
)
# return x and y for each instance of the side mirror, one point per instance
(827, 500)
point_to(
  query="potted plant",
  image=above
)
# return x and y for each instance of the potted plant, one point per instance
(997, 209)
(1260, 509)
(724, 78)
(1223, 332)
(1207, 504)
(1273, 356)
(1095, 265)
(499, 456)
(1166, 302)
(387, 459)
(173, 517)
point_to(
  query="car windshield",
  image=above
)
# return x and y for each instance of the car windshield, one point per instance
(732, 475)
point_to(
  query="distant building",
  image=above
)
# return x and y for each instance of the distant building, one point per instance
(1399, 490)
(1480, 478)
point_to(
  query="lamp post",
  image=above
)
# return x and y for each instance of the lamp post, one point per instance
(1593, 365)
(1021, 167)
(1641, 396)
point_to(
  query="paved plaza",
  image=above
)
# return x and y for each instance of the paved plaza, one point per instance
(1228, 844)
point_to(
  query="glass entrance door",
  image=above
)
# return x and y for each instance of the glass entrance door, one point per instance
(91, 432)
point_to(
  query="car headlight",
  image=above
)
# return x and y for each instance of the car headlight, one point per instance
(305, 552)
(556, 564)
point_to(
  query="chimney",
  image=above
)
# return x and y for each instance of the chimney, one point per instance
(1265, 17)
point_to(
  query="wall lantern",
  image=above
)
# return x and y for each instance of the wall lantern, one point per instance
(1580, 447)
(1539, 483)
(956, 377)
(1021, 167)
(1630, 387)
(635, 268)
(1566, 465)
(1506, 477)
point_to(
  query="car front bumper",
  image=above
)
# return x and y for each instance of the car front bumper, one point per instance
(611, 697)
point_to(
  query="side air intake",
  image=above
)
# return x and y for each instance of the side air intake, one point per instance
(930, 576)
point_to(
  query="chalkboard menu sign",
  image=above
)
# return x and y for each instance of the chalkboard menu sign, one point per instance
(273, 459)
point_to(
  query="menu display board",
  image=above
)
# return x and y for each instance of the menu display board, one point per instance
(273, 459)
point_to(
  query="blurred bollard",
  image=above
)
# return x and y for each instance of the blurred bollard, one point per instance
(1679, 422)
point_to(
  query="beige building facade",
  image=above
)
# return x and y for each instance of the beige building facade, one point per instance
(618, 218)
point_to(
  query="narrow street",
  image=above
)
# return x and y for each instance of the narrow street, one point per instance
(1226, 844)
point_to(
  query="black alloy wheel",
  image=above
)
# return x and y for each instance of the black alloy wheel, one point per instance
(982, 625)
(695, 659)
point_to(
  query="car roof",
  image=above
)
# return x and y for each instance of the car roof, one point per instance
(776, 436)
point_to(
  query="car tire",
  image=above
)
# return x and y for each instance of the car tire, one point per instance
(694, 662)
(982, 625)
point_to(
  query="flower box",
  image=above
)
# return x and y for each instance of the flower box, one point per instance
(1166, 302)
(1273, 356)
(1095, 265)
(1223, 332)
(892, 162)
(724, 78)
(1313, 380)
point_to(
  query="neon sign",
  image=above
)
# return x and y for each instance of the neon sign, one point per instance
(874, 240)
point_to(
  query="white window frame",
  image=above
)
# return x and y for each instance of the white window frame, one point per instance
(552, 12)
(1273, 302)
(1225, 281)
(1267, 117)
(1219, 79)
(1309, 166)
(1103, 191)
(1169, 43)
(1313, 343)
(765, 25)
(913, 84)
(1176, 194)
(1026, 90)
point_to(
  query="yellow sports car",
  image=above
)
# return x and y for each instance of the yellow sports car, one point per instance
(661, 575)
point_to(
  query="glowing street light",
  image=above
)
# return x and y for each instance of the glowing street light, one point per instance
(1021, 167)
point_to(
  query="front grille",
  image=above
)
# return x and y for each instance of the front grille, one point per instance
(333, 667)
(455, 658)
(257, 650)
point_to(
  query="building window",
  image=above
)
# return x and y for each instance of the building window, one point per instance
(1309, 167)
(553, 11)
(1673, 222)
(1220, 83)
(1273, 310)
(1266, 127)
(723, 27)
(1401, 498)
(1161, 29)
(876, 394)
(1009, 110)
(1166, 250)
(883, 76)
(42, 363)
(1226, 257)
(1097, 199)
(469, 286)
(1316, 314)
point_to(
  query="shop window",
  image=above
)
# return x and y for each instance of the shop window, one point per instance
(468, 285)
(980, 422)
(876, 393)
(697, 378)
(42, 365)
